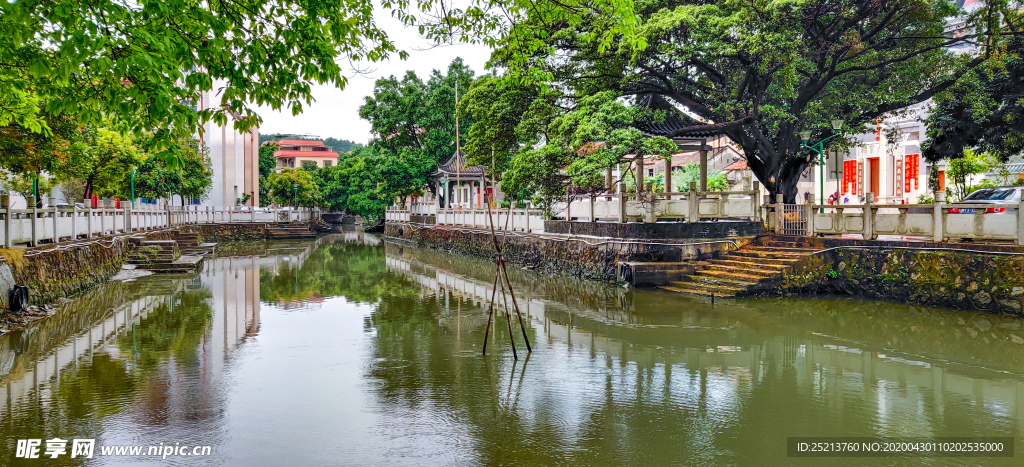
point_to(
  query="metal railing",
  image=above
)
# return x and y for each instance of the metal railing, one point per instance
(36, 225)
(934, 221)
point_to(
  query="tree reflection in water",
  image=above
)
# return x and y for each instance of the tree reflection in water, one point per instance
(618, 377)
(651, 378)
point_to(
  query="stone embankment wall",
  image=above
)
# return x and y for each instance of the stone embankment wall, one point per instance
(591, 258)
(56, 272)
(228, 232)
(953, 279)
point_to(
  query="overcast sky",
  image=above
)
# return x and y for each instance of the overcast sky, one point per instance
(335, 113)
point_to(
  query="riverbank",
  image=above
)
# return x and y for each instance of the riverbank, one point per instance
(581, 256)
(58, 271)
(990, 280)
(979, 277)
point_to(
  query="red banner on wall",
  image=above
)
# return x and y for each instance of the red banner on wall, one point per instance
(913, 172)
(849, 177)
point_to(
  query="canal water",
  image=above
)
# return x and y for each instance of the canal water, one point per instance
(351, 351)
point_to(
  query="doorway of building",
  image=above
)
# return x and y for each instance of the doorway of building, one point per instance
(874, 176)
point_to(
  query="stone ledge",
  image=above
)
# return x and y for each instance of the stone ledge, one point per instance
(599, 259)
(658, 230)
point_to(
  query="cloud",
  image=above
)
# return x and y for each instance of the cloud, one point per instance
(335, 112)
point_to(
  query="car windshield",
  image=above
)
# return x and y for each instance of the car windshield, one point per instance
(992, 194)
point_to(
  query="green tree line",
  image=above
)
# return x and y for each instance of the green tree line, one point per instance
(80, 161)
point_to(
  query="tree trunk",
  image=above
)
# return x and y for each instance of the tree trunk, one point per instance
(778, 170)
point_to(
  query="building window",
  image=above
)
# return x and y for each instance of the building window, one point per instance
(328, 163)
(650, 172)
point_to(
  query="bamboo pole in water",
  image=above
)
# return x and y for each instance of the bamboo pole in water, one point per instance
(501, 275)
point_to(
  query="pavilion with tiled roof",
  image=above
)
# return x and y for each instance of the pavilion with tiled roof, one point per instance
(459, 185)
(687, 133)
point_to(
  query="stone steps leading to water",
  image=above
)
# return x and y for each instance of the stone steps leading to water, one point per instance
(739, 272)
(280, 231)
(164, 256)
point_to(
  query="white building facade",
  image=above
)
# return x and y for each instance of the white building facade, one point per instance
(235, 162)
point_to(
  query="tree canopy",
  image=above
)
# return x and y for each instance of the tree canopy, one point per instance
(148, 62)
(25, 155)
(191, 179)
(496, 107)
(105, 171)
(762, 71)
(985, 111)
(145, 65)
(294, 187)
(413, 114)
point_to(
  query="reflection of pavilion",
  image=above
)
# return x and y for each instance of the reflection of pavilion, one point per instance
(742, 350)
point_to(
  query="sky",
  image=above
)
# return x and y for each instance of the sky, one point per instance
(335, 112)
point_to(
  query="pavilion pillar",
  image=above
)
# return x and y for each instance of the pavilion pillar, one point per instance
(639, 173)
(668, 174)
(703, 166)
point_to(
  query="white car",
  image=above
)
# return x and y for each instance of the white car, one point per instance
(1004, 200)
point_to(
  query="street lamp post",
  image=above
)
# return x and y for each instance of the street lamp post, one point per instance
(819, 149)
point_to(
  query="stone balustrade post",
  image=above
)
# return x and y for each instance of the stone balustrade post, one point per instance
(810, 215)
(7, 227)
(938, 211)
(35, 219)
(622, 206)
(869, 216)
(56, 225)
(755, 198)
(693, 204)
(1020, 223)
(780, 214)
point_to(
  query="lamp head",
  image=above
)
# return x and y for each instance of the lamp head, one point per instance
(837, 125)
(805, 135)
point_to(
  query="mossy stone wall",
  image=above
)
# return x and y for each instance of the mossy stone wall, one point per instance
(228, 232)
(964, 280)
(592, 259)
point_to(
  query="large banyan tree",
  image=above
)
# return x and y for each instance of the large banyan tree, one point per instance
(762, 71)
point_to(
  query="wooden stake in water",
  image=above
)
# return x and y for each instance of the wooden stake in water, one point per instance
(502, 279)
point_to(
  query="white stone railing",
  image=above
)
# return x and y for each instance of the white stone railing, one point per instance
(32, 226)
(689, 206)
(930, 221)
(519, 220)
(515, 220)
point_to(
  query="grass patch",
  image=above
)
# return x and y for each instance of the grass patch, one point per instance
(14, 256)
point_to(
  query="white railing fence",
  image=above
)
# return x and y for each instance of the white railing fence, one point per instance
(691, 206)
(519, 220)
(930, 221)
(33, 226)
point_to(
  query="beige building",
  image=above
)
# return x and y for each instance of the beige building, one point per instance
(296, 153)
